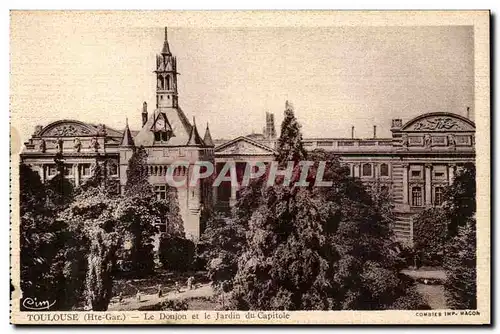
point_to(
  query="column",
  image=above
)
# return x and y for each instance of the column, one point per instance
(76, 172)
(428, 188)
(234, 187)
(214, 193)
(405, 183)
(451, 173)
(42, 173)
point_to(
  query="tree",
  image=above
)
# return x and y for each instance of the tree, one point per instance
(222, 244)
(460, 198)
(140, 211)
(92, 219)
(430, 229)
(38, 235)
(460, 256)
(59, 188)
(47, 247)
(290, 146)
(460, 265)
(317, 247)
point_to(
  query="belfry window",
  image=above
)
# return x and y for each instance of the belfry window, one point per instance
(168, 82)
(416, 196)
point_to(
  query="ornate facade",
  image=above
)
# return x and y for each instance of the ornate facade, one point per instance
(413, 165)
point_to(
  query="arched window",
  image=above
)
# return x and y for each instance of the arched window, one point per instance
(367, 170)
(416, 196)
(384, 170)
(168, 82)
(438, 195)
(161, 83)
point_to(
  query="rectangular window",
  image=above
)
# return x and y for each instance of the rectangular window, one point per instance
(86, 170)
(51, 170)
(366, 170)
(157, 136)
(113, 169)
(415, 173)
(68, 170)
(161, 192)
(438, 196)
(416, 198)
(384, 170)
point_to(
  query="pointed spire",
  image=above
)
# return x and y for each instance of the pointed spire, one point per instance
(208, 137)
(127, 139)
(194, 136)
(166, 47)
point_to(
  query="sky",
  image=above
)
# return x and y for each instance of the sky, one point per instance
(335, 77)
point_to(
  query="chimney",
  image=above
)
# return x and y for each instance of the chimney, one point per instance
(272, 130)
(374, 131)
(352, 132)
(144, 113)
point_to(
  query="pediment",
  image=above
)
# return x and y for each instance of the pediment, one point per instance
(439, 122)
(243, 146)
(68, 129)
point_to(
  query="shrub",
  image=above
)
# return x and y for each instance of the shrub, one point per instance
(176, 253)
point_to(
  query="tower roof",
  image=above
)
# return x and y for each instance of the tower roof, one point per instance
(194, 136)
(208, 137)
(166, 47)
(127, 139)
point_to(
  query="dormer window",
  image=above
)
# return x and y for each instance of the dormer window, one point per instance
(161, 136)
(161, 129)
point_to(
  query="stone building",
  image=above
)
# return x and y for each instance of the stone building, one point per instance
(413, 165)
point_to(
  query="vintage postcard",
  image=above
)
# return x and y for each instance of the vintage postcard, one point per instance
(312, 167)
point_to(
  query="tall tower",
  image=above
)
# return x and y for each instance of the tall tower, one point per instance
(166, 77)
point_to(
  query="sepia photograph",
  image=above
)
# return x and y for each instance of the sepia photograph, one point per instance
(182, 168)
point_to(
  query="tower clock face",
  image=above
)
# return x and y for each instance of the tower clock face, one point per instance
(160, 123)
